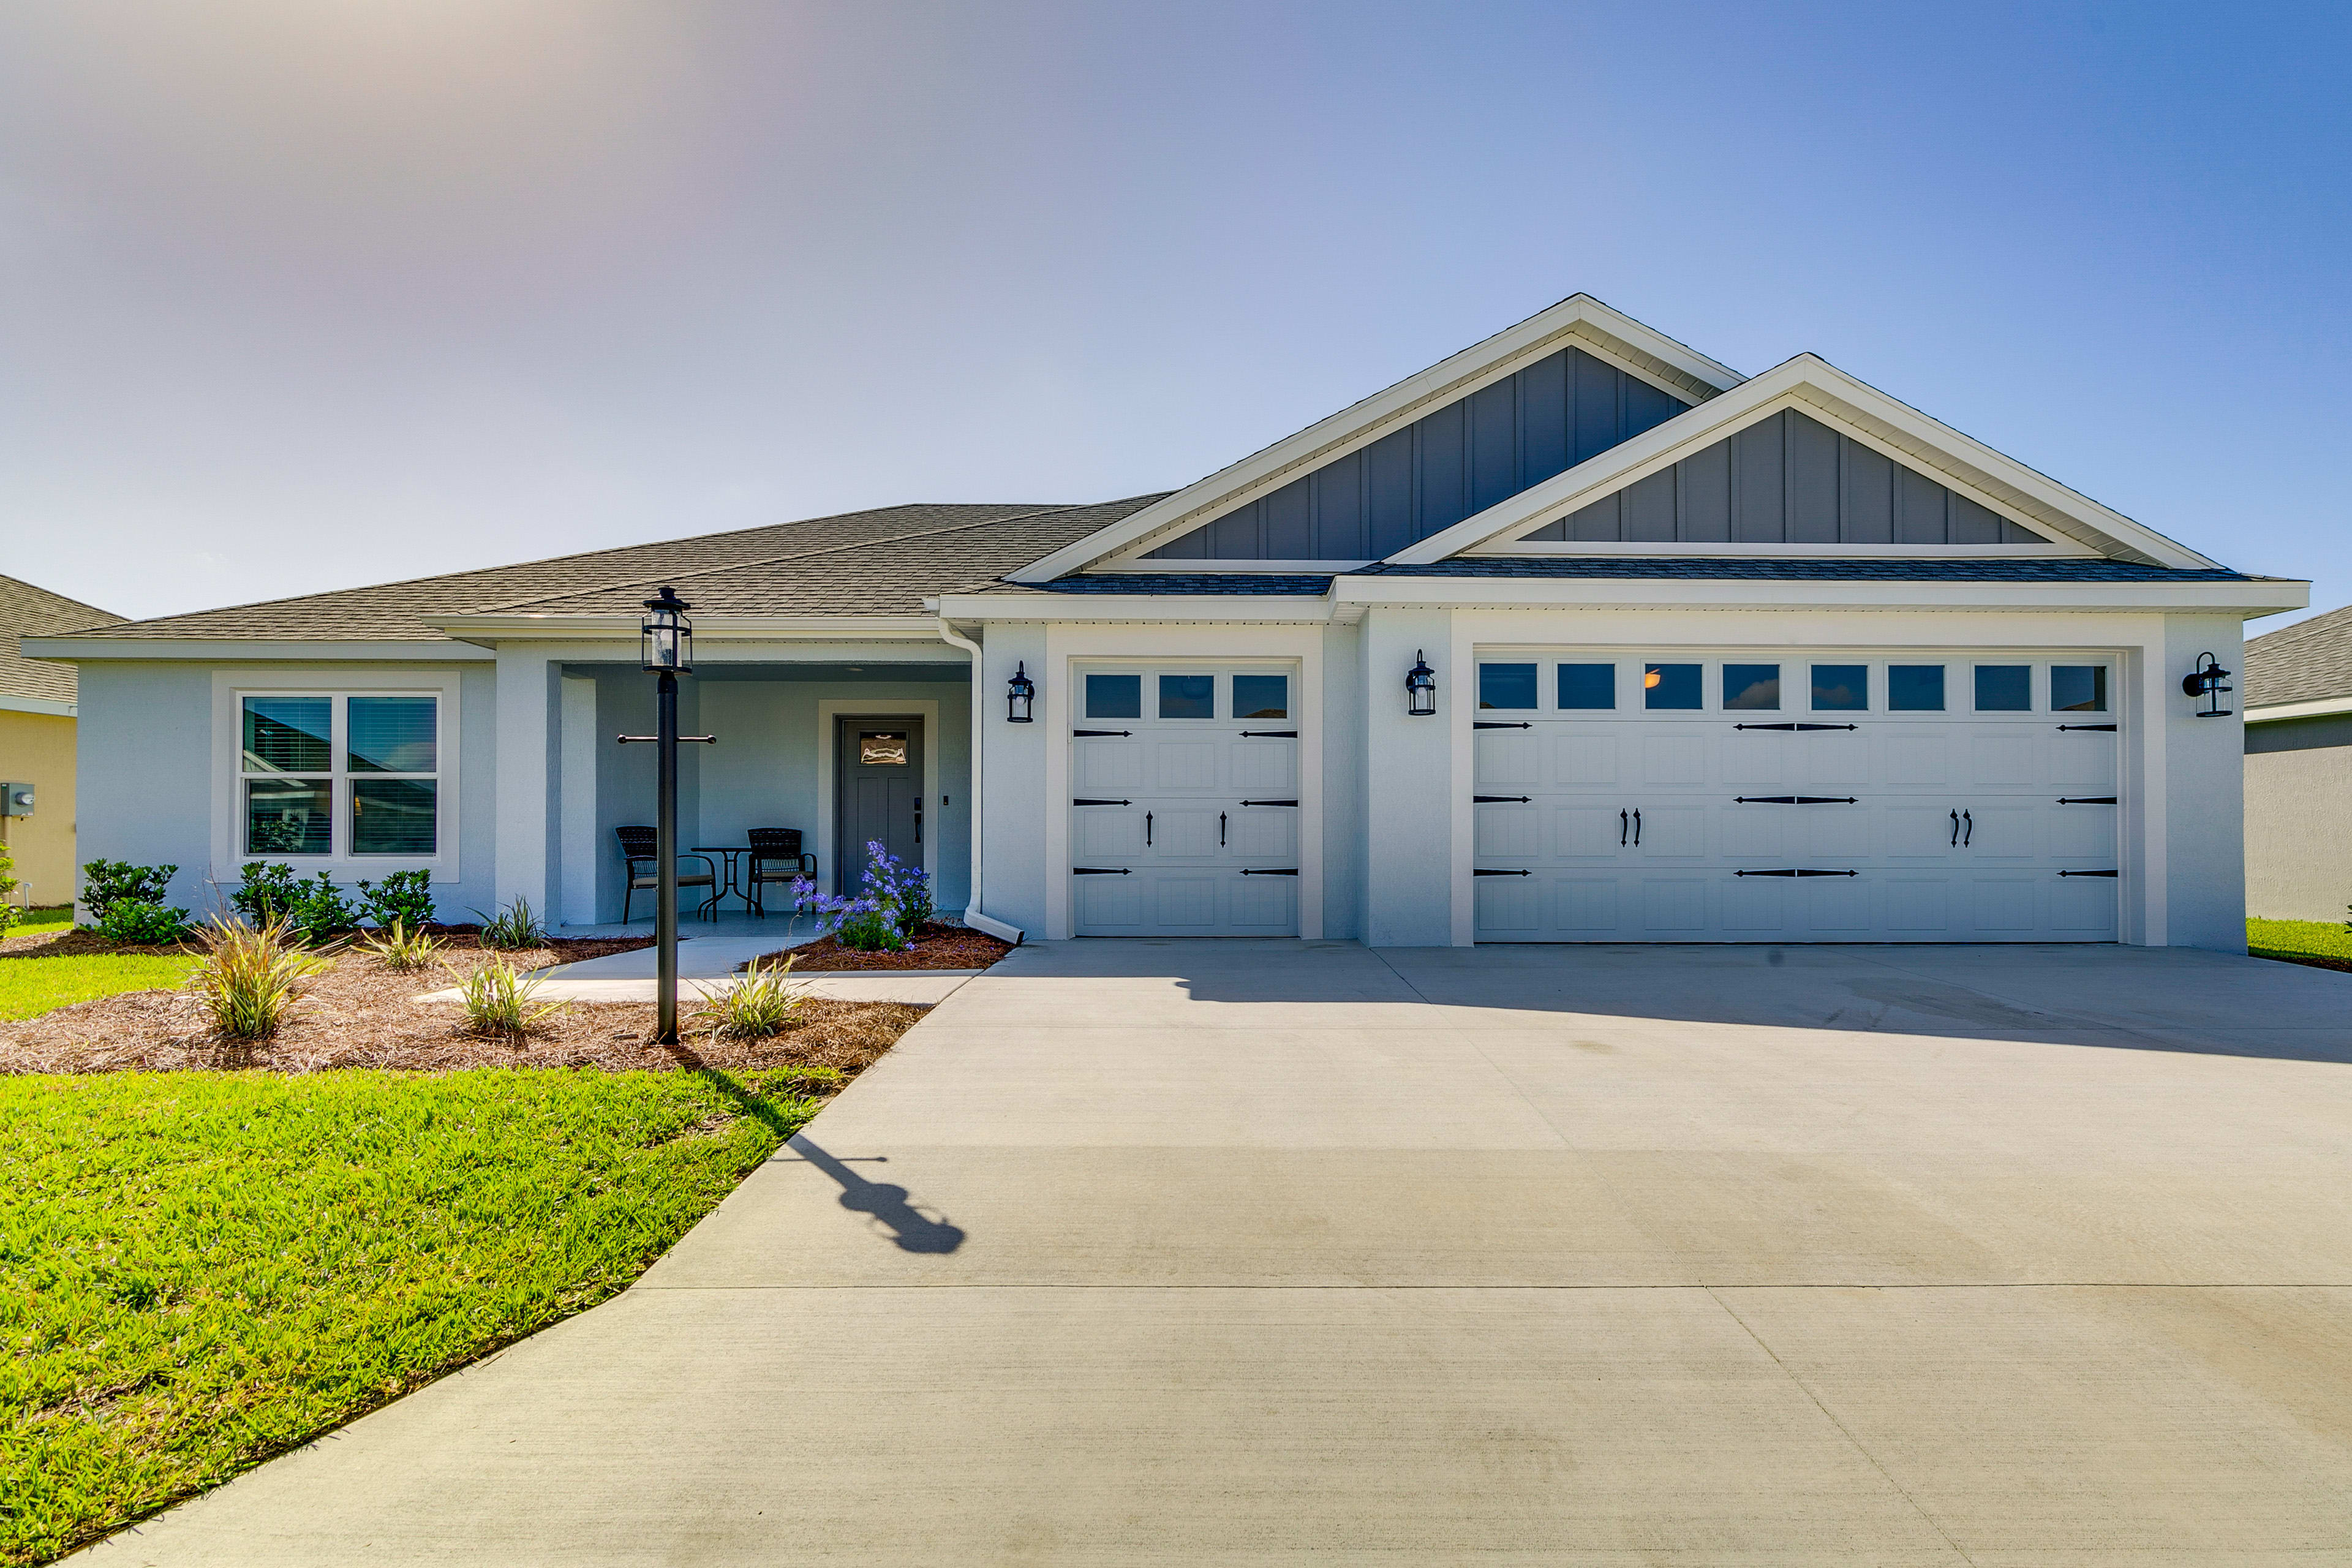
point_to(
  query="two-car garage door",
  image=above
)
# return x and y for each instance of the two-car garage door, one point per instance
(1774, 797)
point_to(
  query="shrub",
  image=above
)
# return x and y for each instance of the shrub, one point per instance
(105, 883)
(515, 926)
(498, 999)
(246, 980)
(894, 903)
(402, 899)
(9, 912)
(398, 947)
(138, 921)
(754, 1007)
(314, 908)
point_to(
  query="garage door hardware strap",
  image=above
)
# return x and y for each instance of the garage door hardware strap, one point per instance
(1102, 732)
(1498, 799)
(1794, 800)
(1285, 871)
(2089, 873)
(1794, 871)
(1796, 726)
(1269, 803)
(1275, 734)
(1098, 872)
(2086, 726)
(1498, 724)
(1083, 801)
(2086, 800)
(1502, 873)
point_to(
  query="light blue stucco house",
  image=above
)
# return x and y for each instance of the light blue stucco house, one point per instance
(1707, 658)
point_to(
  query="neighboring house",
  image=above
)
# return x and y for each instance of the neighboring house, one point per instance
(2298, 699)
(37, 742)
(1711, 657)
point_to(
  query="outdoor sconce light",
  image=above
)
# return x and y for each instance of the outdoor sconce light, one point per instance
(2207, 681)
(1020, 696)
(668, 636)
(1420, 687)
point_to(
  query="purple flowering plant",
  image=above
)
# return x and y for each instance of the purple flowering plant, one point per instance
(891, 905)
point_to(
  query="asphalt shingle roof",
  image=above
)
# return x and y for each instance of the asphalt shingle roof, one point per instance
(26, 611)
(874, 563)
(2302, 663)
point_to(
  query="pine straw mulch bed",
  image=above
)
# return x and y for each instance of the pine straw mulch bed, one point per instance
(935, 947)
(360, 1015)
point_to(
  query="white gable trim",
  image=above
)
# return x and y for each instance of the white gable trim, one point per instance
(1828, 394)
(1580, 321)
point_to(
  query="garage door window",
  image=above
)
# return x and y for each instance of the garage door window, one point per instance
(1261, 697)
(1841, 687)
(1588, 686)
(1114, 697)
(2078, 687)
(2004, 688)
(1506, 686)
(1914, 687)
(1752, 686)
(1188, 696)
(1670, 685)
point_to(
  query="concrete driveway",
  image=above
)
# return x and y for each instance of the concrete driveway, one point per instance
(1257, 1253)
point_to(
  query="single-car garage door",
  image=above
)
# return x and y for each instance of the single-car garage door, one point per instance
(1780, 797)
(1185, 808)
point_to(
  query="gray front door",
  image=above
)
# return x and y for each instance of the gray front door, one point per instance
(878, 795)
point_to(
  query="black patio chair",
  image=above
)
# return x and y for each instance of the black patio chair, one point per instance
(638, 845)
(776, 857)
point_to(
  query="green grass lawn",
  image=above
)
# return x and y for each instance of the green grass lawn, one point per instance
(2299, 939)
(198, 1270)
(46, 920)
(30, 987)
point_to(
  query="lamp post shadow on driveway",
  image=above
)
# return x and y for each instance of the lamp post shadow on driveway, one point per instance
(666, 652)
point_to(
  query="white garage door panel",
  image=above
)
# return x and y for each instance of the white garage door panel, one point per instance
(1636, 824)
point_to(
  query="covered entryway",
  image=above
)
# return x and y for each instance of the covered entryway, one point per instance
(1779, 797)
(1184, 807)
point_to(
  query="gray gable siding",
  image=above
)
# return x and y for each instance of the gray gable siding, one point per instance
(1440, 468)
(1788, 479)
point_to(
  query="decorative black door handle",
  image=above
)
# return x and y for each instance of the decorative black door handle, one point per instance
(1793, 726)
(1956, 831)
(1221, 831)
(1147, 827)
(1794, 800)
(1637, 828)
(1796, 871)
(1969, 830)
(1621, 830)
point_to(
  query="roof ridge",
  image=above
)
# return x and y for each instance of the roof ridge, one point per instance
(772, 560)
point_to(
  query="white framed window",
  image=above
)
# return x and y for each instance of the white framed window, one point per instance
(354, 773)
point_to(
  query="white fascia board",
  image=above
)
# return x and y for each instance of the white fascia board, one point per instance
(2315, 708)
(47, 705)
(491, 630)
(1894, 427)
(215, 650)
(2258, 597)
(1648, 550)
(1173, 609)
(1579, 319)
(1236, 568)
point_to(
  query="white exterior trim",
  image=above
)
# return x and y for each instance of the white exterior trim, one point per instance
(1649, 550)
(2259, 597)
(1580, 321)
(230, 686)
(35, 705)
(2317, 707)
(1239, 567)
(1828, 393)
(211, 651)
(829, 711)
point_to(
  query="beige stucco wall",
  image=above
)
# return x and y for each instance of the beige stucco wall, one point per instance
(2299, 833)
(38, 749)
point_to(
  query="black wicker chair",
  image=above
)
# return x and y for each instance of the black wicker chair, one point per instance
(645, 871)
(776, 857)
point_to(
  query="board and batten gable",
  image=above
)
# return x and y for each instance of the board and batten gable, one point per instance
(1444, 466)
(1787, 479)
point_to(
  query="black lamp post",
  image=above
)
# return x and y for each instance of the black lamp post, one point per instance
(1420, 687)
(1020, 696)
(668, 652)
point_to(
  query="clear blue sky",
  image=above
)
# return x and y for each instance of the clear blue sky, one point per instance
(300, 296)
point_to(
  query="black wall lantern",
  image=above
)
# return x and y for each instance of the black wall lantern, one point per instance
(2208, 681)
(1420, 687)
(1020, 695)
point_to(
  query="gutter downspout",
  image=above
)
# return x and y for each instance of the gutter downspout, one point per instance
(986, 924)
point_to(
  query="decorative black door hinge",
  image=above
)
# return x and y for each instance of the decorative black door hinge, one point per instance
(1269, 803)
(1085, 801)
(1102, 732)
(1498, 724)
(2090, 873)
(2086, 800)
(1796, 871)
(1098, 872)
(2086, 726)
(1502, 873)
(1285, 871)
(1498, 799)
(1795, 726)
(1794, 800)
(1273, 734)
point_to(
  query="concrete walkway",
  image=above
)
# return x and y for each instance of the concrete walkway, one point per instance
(709, 953)
(1248, 1253)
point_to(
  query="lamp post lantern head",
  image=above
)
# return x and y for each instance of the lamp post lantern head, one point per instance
(1420, 687)
(2207, 681)
(1020, 696)
(667, 635)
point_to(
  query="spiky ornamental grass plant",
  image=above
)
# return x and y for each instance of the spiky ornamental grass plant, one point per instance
(401, 949)
(249, 976)
(754, 1007)
(515, 927)
(499, 999)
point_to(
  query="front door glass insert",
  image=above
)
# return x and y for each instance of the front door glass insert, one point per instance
(880, 749)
